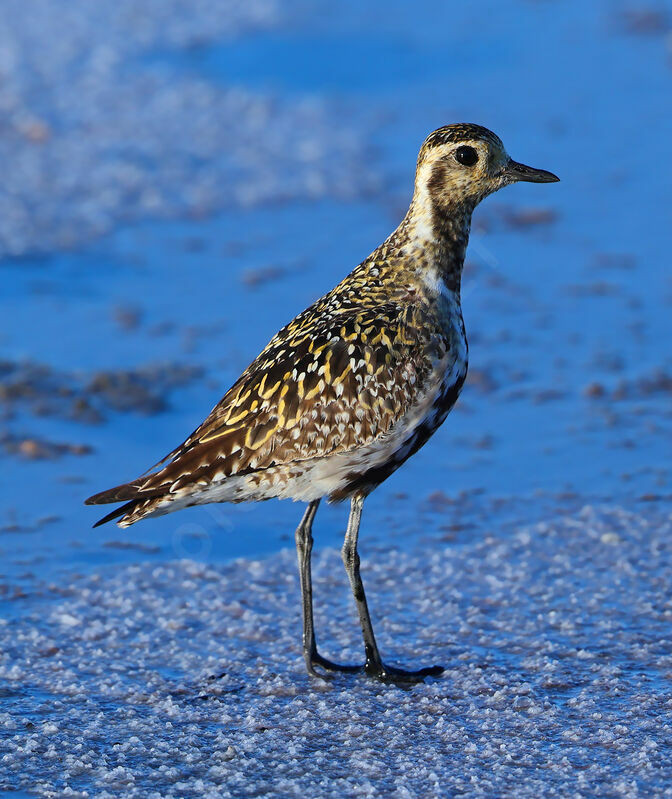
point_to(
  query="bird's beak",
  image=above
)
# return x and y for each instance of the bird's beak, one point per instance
(515, 171)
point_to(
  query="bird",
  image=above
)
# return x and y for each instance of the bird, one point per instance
(352, 387)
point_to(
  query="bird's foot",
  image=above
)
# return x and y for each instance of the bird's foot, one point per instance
(392, 674)
(376, 669)
(317, 660)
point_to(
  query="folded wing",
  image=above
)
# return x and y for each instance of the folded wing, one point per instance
(317, 389)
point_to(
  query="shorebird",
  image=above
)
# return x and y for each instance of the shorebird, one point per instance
(353, 386)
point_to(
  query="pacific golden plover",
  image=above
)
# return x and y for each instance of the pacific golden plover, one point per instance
(354, 385)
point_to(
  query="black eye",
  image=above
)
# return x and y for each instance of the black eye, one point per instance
(466, 156)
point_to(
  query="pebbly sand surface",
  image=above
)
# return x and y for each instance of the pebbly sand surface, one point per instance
(555, 637)
(180, 179)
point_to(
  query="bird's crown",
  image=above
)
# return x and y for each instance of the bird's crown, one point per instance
(461, 132)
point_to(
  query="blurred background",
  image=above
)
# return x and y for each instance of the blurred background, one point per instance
(179, 178)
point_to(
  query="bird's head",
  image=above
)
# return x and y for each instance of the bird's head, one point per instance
(459, 165)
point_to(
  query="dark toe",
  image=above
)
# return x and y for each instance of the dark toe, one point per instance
(392, 674)
(318, 660)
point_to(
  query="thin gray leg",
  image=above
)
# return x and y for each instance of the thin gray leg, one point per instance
(374, 664)
(351, 560)
(304, 548)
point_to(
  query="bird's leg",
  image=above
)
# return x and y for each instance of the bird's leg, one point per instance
(374, 664)
(304, 548)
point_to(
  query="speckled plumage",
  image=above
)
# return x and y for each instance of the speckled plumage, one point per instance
(332, 387)
(355, 384)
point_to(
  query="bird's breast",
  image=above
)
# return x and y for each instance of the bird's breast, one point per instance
(445, 367)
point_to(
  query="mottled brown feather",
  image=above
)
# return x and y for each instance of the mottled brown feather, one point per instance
(327, 394)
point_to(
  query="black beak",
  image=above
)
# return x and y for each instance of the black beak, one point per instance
(515, 171)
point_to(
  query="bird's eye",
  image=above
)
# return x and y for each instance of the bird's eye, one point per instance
(466, 156)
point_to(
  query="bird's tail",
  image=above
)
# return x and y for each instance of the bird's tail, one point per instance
(138, 505)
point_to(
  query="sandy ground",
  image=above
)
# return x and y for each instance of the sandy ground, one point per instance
(555, 638)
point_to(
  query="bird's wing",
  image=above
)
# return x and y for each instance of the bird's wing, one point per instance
(324, 384)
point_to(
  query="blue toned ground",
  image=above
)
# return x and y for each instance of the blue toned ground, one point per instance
(556, 638)
(179, 179)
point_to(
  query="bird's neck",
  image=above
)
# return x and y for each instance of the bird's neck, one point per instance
(435, 238)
